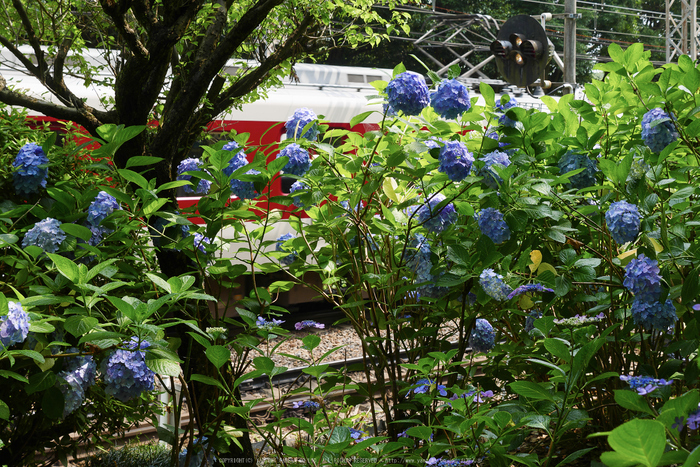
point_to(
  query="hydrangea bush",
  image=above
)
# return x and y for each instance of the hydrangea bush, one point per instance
(578, 311)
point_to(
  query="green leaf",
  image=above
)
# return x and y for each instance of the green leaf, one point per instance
(8, 239)
(163, 366)
(133, 177)
(40, 381)
(574, 455)
(642, 441)
(36, 356)
(79, 325)
(52, 403)
(421, 432)
(531, 390)
(690, 288)
(693, 458)
(153, 206)
(41, 327)
(218, 355)
(65, 266)
(360, 118)
(4, 411)
(558, 348)
(311, 342)
(139, 161)
(76, 230)
(615, 459)
(537, 421)
(488, 94)
(126, 308)
(264, 364)
(206, 380)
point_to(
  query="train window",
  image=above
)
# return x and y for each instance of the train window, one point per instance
(286, 184)
(371, 78)
(356, 78)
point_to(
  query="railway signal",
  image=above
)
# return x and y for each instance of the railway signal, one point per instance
(521, 50)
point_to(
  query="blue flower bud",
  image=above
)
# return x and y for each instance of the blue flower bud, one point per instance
(103, 205)
(493, 285)
(482, 337)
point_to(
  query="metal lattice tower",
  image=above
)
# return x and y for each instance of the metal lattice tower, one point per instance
(681, 29)
(461, 35)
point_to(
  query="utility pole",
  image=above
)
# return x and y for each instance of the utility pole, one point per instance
(570, 44)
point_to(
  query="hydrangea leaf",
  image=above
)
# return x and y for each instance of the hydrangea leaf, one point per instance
(218, 355)
(421, 432)
(65, 266)
(536, 257)
(632, 401)
(642, 441)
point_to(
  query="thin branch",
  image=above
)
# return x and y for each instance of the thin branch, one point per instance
(116, 11)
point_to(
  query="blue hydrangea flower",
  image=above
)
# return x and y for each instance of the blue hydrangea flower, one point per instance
(419, 261)
(642, 279)
(125, 372)
(14, 326)
(494, 135)
(572, 161)
(388, 110)
(262, 323)
(289, 259)
(492, 224)
(103, 205)
(451, 99)
(528, 288)
(491, 178)
(296, 123)
(424, 386)
(644, 384)
(308, 323)
(200, 242)
(308, 405)
(408, 93)
(503, 120)
(98, 233)
(32, 169)
(654, 315)
(296, 186)
(299, 160)
(73, 391)
(623, 221)
(483, 337)
(433, 218)
(192, 164)
(658, 130)
(237, 161)
(493, 285)
(45, 234)
(244, 190)
(455, 160)
(83, 368)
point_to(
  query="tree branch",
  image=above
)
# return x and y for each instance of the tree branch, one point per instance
(117, 11)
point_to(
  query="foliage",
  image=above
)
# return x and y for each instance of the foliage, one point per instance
(469, 345)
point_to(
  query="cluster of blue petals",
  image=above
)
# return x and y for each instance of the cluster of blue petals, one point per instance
(425, 385)
(299, 161)
(419, 261)
(31, 169)
(455, 160)
(658, 130)
(408, 93)
(103, 205)
(308, 405)
(289, 259)
(493, 285)
(529, 288)
(482, 337)
(192, 164)
(432, 217)
(296, 123)
(45, 234)
(242, 189)
(572, 161)
(201, 242)
(237, 161)
(75, 379)
(654, 314)
(262, 323)
(502, 107)
(296, 186)
(14, 326)
(491, 178)
(642, 278)
(125, 373)
(644, 384)
(623, 221)
(492, 224)
(308, 323)
(451, 99)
